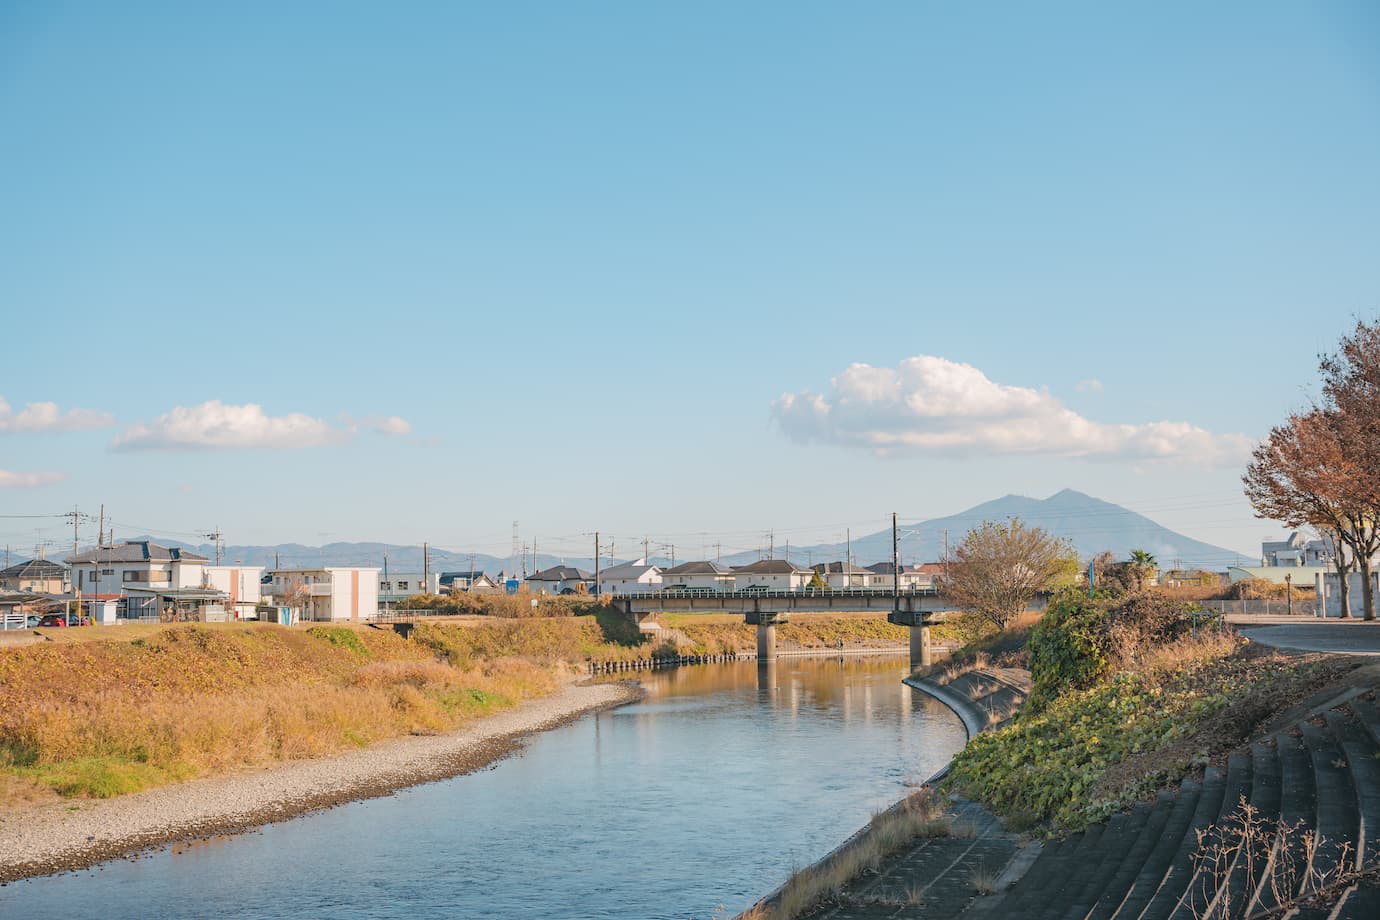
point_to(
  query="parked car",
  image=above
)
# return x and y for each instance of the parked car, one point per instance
(32, 620)
(52, 620)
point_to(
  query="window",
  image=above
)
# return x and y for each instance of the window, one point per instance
(107, 571)
(402, 586)
(386, 586)
(132, 576)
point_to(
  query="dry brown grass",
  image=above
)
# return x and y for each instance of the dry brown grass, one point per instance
(918, 815)
(105, 718)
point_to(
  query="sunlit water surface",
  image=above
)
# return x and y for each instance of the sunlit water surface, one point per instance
(706, 793)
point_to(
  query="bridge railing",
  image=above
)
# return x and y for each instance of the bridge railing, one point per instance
(910, 591)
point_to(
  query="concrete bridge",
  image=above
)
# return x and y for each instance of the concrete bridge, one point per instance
(918, 608)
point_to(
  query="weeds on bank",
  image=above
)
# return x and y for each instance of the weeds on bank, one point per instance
(919, 815)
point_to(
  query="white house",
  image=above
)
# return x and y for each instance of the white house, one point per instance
(697, 576)
(635, 577)
(772, 575)
(136, 565)
(328, 593)
(1296, 550)
(912, 576)
(560, 579)
(241, 586)
(841, 575)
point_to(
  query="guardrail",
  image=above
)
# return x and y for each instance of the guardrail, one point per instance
(912, 591)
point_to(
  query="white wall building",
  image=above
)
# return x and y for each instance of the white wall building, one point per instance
(630, 578)
(399, 587)
(560, 579)
(696, 576)
(772, 575)
(1327, 594)
(241, 585)
(842, 575)
(328, 593)
(137, 564)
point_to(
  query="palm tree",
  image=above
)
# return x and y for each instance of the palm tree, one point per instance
(1142, 566)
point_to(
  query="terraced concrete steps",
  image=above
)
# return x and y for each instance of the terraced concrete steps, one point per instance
(1319, 774)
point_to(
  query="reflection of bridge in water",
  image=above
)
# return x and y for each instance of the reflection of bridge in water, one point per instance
(918, 608)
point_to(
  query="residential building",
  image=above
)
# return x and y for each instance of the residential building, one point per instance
(1327, 594)
(1296, 550)
(327, 593)
(241, 585)
(841, 575)
(399, 587)
(771, 575)
(636, 577)
(701, 575)
(36, 576)
(135, 564)
(560, 579)
(474, 582)
(912, 576)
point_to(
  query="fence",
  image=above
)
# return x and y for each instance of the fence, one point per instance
(1302, 607)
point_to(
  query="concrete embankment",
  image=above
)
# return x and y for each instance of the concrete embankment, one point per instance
(71, 835)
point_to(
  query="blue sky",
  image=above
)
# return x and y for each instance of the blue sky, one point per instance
(608, 265)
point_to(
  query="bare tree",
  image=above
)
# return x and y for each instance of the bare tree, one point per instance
(1296, 475)
(999, 568)
(1351, 390)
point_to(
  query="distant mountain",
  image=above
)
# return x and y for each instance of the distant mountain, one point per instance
(1092, 525)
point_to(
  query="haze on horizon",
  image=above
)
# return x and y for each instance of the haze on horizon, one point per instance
(339, 273)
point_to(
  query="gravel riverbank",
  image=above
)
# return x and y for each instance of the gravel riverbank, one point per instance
(78, 833)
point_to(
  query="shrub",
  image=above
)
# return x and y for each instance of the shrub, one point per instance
(1068, 648)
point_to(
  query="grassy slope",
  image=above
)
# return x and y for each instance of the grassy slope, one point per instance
(103, 718)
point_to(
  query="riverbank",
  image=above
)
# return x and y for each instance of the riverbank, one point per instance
(68, 835)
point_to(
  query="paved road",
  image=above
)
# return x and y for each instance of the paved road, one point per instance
(1347, 637)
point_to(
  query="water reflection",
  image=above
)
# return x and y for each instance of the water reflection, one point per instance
(706, 792)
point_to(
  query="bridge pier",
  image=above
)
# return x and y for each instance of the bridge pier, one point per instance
(766, 622)
(919, 623)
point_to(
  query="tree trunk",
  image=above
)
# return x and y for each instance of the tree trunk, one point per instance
(1366, 593)
(1343, 572)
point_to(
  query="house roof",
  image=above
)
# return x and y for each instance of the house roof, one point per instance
(841, 568)
(34, 568)
(884, 568)
(448, 578)
(703, 567)
(628, 570)
(561, 573)
(770, 567)
(136, 551)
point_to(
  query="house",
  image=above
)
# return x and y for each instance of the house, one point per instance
(636, 577)
(241, 586)
(135, 563)
(841, 575)
(912, 576)
(1183, 578)
(327, 593)
(1296, 550)
(399, 587)
(560, 579)
(37, 576)
(701, 575)
(474, 582)
(772, 575)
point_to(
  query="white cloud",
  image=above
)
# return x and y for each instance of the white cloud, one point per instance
(46, 416)
(9, 480)
(215, 425)
(932, 404)
(382, 424)
(1088, 386)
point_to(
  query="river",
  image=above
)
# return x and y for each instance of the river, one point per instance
(706, 793)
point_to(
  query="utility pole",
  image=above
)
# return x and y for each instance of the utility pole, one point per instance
(470, 580)
(895, 566)
(217, 540)
(426, 567)
(75, 515)
(596, 563)
(946, 552)
(389, 584)
(848, 549)
(718, 552)
(100, 528)
(646, 550)
(788, 549)
(771, 544)
(535, 568)
(277, 564)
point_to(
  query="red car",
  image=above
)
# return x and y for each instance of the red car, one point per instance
(51, 620)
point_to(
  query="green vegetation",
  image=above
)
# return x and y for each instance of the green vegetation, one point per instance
(341, 636)
(1124, 701)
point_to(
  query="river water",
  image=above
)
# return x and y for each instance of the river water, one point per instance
(706, 793)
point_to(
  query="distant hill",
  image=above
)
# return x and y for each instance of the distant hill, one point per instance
(1091, 524)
